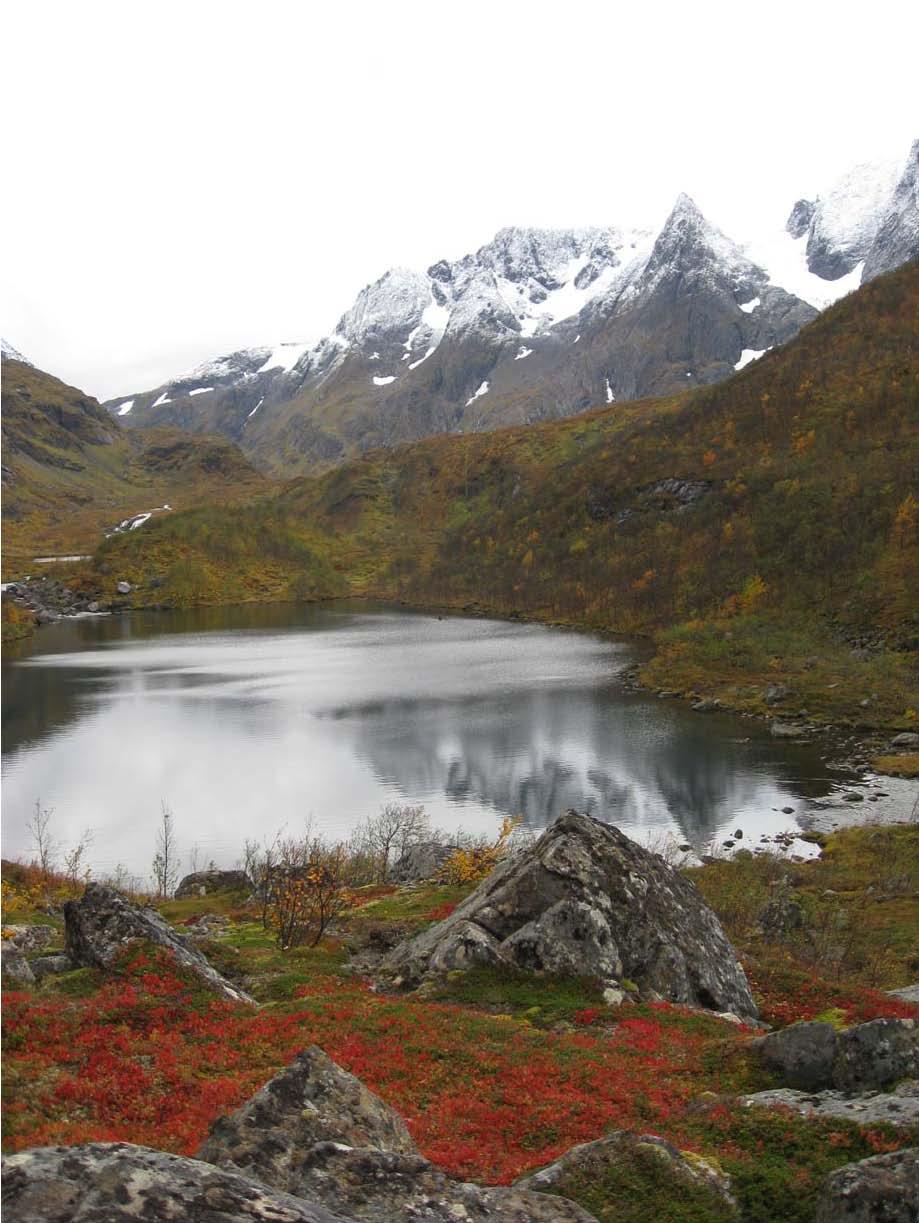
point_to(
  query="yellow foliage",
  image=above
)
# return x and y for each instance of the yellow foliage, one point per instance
(472, 865)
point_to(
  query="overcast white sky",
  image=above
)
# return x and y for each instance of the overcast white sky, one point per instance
(192, 176)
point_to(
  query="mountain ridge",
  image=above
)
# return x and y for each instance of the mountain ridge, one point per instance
(538, 323)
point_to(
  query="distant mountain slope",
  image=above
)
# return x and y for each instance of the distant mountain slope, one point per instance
(538, 324)
(70, 472)
(769, 518)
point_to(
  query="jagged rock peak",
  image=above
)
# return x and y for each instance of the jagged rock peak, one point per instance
(897, 237)
(800, 217)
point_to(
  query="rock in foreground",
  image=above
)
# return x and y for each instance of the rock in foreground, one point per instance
(613, 1165)
(113, 1182)
(813, 1055)
(102, 922)
(882, 1189)
(899, 1107)
(317, 1132)
(312, 1100)
(586, 901)
(383, 1187)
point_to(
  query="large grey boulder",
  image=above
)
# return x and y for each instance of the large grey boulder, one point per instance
(586, 901)
(103, 922)
(802, 1055)
(646, 1157)
(204, 883)
(385, 1187)
(882, 1189)
(866, 1057)
(317, 1132)
(312, 1100)
(875, 1054)
(113, 1182)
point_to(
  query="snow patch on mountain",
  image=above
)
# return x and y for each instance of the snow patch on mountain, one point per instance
(201, 390)
(126, 408)
(385, 381)
(784, 258)
(482, 390)
(284, 357)
(164, 398)
(750, 306)
(748, 355)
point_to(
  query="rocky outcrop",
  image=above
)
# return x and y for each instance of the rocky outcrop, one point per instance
(869, 1056)
(204, 883)
(102, 923)
(899, 1107)
(312, 1100)
(586, 901)
(316, 1131)
(112, 1182)
(627, 1156)
(882, 1189)
(383, 1187)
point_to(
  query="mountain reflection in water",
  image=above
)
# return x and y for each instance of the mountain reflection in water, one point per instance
(249, 719)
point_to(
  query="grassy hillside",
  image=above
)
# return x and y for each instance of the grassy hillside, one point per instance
(761, 528)
(70, 472)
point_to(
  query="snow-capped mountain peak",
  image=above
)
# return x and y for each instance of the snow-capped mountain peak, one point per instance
(11, 353)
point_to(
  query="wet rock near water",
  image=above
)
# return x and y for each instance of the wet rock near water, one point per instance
(113, 1182)
(586, 901)
(102, 923)
(645, 1157)
(882, 1189)
(205, 883)
(49, 600)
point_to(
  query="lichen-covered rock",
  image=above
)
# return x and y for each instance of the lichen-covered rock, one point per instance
(611, 1165)
(204, 883)
(15, 967)
(588, 901)
(882, 1189)
(28, 938)
(802, 1055)
(50, 965)
(868, 1056)
(387, 1187)
(105, 1182)
(876, 1054)
(102, 923)
(311, 1100)
(899, 1107)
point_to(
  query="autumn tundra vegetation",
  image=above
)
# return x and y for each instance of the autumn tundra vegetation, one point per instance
(496, 1073)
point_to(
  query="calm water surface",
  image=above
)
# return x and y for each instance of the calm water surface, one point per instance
(246, 720)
